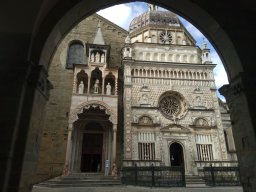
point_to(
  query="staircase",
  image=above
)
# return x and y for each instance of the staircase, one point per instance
(194, 181)
(80, 180)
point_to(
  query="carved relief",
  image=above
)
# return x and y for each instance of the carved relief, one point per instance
(145, 120)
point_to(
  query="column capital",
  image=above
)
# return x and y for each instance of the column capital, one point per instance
(244, 83)
(114, 127)
(70, 127)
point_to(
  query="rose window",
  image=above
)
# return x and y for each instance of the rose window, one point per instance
(172, 105)
(165, 38)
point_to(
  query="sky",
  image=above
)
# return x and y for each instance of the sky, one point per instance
(123, 14)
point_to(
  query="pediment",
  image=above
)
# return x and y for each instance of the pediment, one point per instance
(175, 128)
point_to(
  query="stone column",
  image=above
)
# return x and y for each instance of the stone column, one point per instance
(103, 86)
(114, 168)
(116, 86)
(240, 95)
(67, 166)
(114, 143)
(89, 82)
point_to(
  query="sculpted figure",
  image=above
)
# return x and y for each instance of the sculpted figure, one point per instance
(97, 57)
(114, 170)
(108, 89)
(81, 88)
(92, 57)
(102, 58)
(96, 86)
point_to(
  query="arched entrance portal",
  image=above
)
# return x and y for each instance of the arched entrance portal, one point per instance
(176, 155)
(92, 148)
(92, 141)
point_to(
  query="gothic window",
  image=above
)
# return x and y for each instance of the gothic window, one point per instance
(75, 54)
(204, 147)
(146, 151)
(172, 105)
(96, 81)
(81, 82)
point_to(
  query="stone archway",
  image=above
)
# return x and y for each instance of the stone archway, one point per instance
(40, 19)
(176, 154)
(78, 153)
(218, 37)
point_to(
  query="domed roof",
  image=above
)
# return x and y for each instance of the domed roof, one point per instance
(154, 18)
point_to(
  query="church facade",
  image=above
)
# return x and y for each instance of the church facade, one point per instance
(141, 97)
(172, 114)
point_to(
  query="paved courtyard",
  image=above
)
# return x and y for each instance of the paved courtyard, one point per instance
(137, 189)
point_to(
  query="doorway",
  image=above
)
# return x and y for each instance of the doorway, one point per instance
(91, 158)
(176, 155)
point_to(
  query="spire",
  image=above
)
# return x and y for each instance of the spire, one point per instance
(152, 7)
(204, 44)
(98, 39)
(206, 55)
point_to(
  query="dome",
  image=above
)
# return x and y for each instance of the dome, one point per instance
(154, 18)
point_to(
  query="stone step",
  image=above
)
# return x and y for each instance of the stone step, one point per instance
(194, 180)
(80, 181)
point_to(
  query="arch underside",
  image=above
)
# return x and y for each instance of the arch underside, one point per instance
(86, 105)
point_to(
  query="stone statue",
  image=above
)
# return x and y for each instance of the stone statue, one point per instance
(81, 88)
(92, 57)
(102, 58)
(96, 86)
(108, 89)
(197, 101)
(114, 170)
(97, 57)
(65, 171)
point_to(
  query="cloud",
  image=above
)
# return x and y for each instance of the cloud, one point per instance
(117, 14)
(123, 14)
(219, 71)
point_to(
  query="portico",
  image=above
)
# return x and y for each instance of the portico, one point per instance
(91, 140)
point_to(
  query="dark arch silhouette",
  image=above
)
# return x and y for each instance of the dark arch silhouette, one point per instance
(42, 26)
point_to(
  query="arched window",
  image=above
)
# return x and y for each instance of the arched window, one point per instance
(96, 81)
(109, 84)
(81, 78)
(75, 54)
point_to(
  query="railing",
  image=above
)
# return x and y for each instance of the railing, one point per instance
(222, 176)
(154, 176)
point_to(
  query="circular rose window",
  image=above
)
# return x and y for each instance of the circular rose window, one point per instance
(172, 105)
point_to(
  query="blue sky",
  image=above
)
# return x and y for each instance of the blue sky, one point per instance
(123, 14)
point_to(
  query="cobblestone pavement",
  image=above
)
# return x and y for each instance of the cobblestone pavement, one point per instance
(137, 189)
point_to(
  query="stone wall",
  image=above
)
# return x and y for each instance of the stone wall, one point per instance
(54, 135)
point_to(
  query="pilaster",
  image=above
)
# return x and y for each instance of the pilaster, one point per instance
(240, 95)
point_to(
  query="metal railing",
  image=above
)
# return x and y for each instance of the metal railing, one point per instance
(221, 176)
(154, 176)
